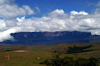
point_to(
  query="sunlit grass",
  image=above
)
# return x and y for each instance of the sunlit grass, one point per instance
(45, 52)
(28, 58)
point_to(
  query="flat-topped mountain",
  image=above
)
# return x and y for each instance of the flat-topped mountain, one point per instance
(50, 38)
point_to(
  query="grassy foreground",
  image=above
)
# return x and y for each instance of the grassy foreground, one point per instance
(27, 58)
(45, 52)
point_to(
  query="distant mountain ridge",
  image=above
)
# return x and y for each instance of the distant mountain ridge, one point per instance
(50, 38)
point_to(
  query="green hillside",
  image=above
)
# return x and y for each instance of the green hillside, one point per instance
(45, 52)
(63, 48)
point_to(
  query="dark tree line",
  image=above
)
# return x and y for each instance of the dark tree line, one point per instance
(70, 61)
(78, 49)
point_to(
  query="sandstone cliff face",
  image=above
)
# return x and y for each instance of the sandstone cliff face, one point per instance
(63, 33)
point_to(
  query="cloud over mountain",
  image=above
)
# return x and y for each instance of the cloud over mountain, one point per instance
(57, 20)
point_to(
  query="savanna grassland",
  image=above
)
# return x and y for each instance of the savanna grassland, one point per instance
(29, 58)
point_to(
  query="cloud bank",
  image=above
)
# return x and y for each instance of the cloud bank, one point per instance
(57, 20)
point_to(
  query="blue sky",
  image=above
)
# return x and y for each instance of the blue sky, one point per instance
(48, 15)
(46, 6)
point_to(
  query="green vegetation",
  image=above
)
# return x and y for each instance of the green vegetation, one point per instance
(78, 51)
(70, 61)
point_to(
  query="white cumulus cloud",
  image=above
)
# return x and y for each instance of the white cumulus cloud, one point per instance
(78, 13)
(56, 20)
(7, 9)
(5, 35)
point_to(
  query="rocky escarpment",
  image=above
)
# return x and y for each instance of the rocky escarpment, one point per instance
(50, 38)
